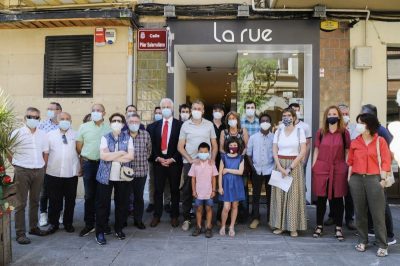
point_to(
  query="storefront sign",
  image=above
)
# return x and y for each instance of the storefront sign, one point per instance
(251, 35)
(152, 40)
(329, 25)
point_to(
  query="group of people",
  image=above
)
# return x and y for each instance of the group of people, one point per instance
(202, 162)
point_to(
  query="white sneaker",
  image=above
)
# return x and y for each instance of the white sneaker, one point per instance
(43, 221)
(186, 225)
(61, 217)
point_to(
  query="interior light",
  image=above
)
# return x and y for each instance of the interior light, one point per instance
(245, 53)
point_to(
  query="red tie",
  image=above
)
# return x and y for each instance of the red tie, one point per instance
(164, 136)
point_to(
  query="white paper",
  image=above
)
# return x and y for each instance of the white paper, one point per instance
(276, 180)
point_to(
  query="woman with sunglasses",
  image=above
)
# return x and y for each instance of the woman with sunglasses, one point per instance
(116, 149)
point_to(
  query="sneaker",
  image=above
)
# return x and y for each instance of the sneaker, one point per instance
(86, 231)
(196, 231)
(186, 225)
(209, 233)
(37, 232)
(371, 233)
(391, 241)
(254, 224)
(101, 239)
(61, 220)
(23, 239)
(69, 228)
(43, 221)
(120, 235)
(329, 222)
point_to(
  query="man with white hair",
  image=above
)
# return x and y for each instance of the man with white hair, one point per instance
(167, 161)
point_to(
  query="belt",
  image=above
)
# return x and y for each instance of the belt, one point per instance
(287, 157)
(88, 160)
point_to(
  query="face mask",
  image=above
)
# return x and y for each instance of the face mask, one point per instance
(299, 115)
(196, 114)
(332, 120)
(265, 126)
(346, 119)
(51, 114)
(116, 127)
(233, 149)
(64, 124)
(185, 116)
(96, 116)
(157, 117)
(287, 121)
(360, 128)
(232, 123)
(217, 115)
(166, 112)
(32, 123)
(128, 114)
(134, 127)
(203, 155)
(250, 112)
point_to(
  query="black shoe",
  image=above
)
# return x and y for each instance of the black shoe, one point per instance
(139, 225)
(52, 229)
(196, 231)
(37, 232)
(350, 225)
(167, 208)
(107, 231)
(23, 239)
(150, 208)
(86, 230)
(329, 222)
(101, 239)
(120, 235)
(69, 228)
(209, 233)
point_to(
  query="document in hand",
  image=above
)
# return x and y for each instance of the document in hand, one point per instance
(276, 180)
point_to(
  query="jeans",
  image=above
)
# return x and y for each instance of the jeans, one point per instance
(258, 181)
(137, 188)
(89, 181)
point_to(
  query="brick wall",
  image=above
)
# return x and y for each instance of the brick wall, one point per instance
(335, 60)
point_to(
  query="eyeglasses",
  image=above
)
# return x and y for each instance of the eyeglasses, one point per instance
(32, 117)
(64, 138)
(116, 121)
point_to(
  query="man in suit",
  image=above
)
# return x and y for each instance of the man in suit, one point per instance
(167, 162)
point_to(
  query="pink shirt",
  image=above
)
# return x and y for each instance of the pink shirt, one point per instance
(203, 172)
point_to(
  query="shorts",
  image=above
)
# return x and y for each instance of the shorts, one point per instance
(202, 202)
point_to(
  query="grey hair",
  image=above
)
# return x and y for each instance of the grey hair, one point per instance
(167, 99)
(197, 101)
(133, 115)
(64, 113)
(343, 105)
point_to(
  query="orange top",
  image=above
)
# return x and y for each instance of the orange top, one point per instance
(364, 158)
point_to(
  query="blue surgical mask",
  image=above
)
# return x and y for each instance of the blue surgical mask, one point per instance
(51, 114)
(157, 117)
(134, 127)
(203, 155)
(96, 116)
(166, 112)
(32, 123)
(64, 124)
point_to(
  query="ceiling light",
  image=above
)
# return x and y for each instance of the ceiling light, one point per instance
(294, 54)
(245, 53)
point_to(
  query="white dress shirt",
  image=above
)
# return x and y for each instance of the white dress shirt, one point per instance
(29, 148)
(63, 158)
(169, 131)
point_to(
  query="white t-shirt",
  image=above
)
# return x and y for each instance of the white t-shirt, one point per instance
(306, 128)
(115, 166)
(289, 145)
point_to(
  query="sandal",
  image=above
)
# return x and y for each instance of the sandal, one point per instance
(382, 252)
(277, 231)
(360, 247)
(294, 234)
(231, 232)
(318, 231)
(222, 231)
(339, 234)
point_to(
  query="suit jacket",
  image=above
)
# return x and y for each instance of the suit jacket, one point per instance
(150, 129)
(156, 137)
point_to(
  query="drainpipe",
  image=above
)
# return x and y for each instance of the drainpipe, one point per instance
(129, 85)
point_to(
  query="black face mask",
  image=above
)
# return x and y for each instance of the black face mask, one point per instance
(332, 120)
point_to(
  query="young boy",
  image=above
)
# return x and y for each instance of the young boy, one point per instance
(204, 176)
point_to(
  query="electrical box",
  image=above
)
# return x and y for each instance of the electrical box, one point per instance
(363, 57)
(111, 36)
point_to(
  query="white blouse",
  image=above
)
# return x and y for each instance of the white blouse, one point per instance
(289, 145)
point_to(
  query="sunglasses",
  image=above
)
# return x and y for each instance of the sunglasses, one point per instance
(116, 121)
(64, 138)
(32, 117)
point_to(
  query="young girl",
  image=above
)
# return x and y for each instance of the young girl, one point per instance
(231, 188)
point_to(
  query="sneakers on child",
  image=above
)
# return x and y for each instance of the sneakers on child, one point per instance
(43, 221)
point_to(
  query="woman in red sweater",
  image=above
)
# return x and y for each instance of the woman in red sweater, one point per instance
(366, 181)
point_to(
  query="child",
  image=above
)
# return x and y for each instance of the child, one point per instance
(203, 176)
(231, 187)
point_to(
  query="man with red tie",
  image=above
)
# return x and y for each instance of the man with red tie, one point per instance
(167, 162)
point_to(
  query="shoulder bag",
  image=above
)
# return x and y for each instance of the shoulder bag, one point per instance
(389, 181)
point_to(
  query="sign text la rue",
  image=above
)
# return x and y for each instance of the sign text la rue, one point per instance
(250, 34)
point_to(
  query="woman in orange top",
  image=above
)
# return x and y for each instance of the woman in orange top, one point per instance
(366, 181)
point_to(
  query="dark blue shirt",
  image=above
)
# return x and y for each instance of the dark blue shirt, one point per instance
(384, 133)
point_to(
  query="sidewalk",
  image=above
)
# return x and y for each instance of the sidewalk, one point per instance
(165, 245)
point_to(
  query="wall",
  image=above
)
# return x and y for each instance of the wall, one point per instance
(370, 86)
(22, 64)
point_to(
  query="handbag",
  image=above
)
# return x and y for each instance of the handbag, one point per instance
(389, 181)
(126, 173)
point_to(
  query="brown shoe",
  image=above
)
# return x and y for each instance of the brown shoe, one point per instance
(23, 240)
(174, 222)
(37, 232)
(155, 222)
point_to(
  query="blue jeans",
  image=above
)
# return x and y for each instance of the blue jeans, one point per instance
(89, 181)
(202, 202)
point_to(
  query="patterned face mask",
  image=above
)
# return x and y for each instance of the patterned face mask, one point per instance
(287, 121)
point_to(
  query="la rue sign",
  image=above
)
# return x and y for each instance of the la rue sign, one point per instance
(253, 35)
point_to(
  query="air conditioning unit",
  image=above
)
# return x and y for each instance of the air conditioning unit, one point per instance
(363, 57)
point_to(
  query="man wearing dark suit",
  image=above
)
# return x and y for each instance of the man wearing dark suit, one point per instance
(167, 162)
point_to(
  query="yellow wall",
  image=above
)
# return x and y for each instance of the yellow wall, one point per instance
(370, 86)
(22, 64)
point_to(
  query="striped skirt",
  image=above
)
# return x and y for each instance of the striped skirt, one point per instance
(288, 210)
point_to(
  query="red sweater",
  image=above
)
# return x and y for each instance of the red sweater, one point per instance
(364, 159)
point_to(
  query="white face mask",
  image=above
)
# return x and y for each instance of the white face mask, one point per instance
(265, 126)
(250, 112)
(96, 116)
(360, 128)
(157, 117)
(196, 114)
(116, 127)
(217, 115)
(166, 113)
(32, 123)
(51, 114)
(346, 119)
(134, 127)
(64, 124)
(185, 116)
(232, 122)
